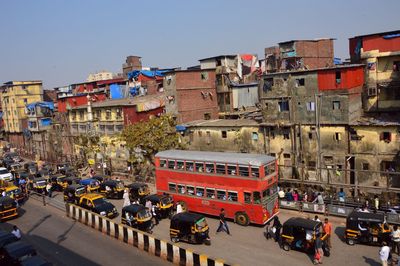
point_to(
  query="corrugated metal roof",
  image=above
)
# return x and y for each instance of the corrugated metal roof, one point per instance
(221, 157)
(222, 123)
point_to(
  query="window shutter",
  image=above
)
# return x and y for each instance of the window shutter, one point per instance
(381, 136)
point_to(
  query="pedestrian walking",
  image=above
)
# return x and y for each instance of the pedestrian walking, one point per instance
(16, 232)
(127, 201)
(155, 214)
(319, 252)
(384, 253)
(376, 202)
(49, 190)
(328, 231)
(396, 240)
(148, 204)
(277, 226)
(223, 226)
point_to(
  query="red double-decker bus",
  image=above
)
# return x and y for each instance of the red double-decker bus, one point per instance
(245, 185)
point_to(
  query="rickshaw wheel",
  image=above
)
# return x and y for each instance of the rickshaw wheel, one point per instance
(174, 239)
(350, 241)
(241, 218)
(286, 246)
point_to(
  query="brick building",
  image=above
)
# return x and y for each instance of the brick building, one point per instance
(191, 95)
(299, 54)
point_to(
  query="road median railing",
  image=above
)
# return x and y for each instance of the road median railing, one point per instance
(333, 209)
(141, 240)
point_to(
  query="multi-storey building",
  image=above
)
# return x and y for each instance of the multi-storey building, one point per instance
(380, 52)
(15, 95)
(191, 95)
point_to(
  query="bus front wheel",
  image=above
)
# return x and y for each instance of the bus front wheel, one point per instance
(242, 218)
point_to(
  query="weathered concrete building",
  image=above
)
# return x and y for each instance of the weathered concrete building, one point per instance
(191, 95)
(242, 135)
(380, 52)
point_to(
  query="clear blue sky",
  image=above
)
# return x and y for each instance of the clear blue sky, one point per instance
(62, 41)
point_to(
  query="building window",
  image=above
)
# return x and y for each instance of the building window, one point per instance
(208, 134)
(286, 155)
(224, 134)
(336, 105)
(386, 137)
(283, 106)
(300, 82)
(108, 114)
(204, 76)
(81, 115)
(396, 65)
(286, 135)
(310, 135)
(119, 128)
(200, 133)
(311, 106)
(25, 100)
(98, 114)
(371, 91)
(73, 115)
(338, 136)
(118, 113)
(268, 83)
(365, 166)
(102, 128)
(254, 136)
(338, 77)
(207, 116)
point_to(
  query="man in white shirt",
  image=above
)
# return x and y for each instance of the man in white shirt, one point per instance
(396, 239)
(281, 194)
(384, 253)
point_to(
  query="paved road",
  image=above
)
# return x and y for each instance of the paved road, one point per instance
(65, 242)
(247, 245)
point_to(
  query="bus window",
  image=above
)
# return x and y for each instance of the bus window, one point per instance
(269, 169)
(266, 193)
(256, 197)
(247, 197)
(209, 167)
(199, 167)
(189, 166)
(171, 164)
(172, 187)
(163, 163)
(179, 165)
(199, 191)
(181, 189)
(232, 196)
(221, 194)
(210, 193)
(220, 169)
(232, 170)
(190, 190)
(255, 172)
(243, 170)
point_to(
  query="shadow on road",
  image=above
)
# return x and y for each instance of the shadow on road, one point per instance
(36, 225)
(371, 262)
(339, 231)
(63, 237)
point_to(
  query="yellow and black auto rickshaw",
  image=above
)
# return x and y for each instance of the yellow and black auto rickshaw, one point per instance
(13, 192)
(300, 234)
(137, 191)
(367, 228)
(189, 227)
(73, 193)
(163, 203)
(39, 185)
(137, 216)
(58, 182)
(8, 208)
(112, 189)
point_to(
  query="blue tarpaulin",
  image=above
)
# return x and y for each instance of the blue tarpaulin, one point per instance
(147, 73)
(391, 36)
(180, 128)
(116, 91)
(46, 121)
(134, 91)
(32, 106)
(1, 115)
(337, 61)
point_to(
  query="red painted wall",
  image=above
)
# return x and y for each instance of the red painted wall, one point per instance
(377, 42)
(75, 101)
(131, 116)
(350, 78)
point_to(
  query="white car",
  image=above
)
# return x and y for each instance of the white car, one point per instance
(5, 174)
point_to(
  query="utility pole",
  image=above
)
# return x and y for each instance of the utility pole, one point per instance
(318, 133)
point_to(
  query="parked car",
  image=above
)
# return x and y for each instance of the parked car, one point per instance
(5, 174)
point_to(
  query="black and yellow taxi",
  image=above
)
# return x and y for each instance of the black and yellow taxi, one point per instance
(58, 182)
(112, 189)
(73, 193)
(138, 190)
(189, 227)
(98, 204)
(13, 192)
(39, 185)
(164, 204)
